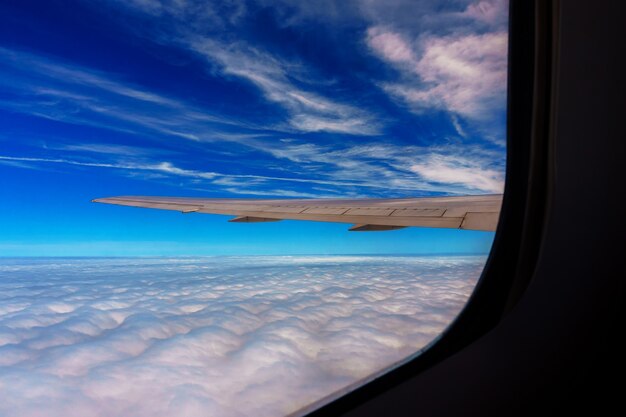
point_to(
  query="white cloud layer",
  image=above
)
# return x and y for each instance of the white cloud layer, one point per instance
(189, 337)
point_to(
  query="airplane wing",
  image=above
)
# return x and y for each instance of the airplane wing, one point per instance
(478, 212)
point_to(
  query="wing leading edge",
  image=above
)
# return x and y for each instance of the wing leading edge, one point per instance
(478, 212)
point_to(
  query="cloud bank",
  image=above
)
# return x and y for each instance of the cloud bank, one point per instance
(218, 336)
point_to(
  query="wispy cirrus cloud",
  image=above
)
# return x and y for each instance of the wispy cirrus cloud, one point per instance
(162, 167)
(65, 92)
(102, 148)
(199, 28)
(308, 111)
(459, 69)
(216, 178)
(391, 46)
(29, 63)
(464, 74)
(198, 14)
(79, 95)
(377, 169)
(241, 189)
(491, 12)
(456, 169)
(446, 169)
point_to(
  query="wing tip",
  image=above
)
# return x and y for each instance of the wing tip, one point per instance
(109, 199)
(104, 199)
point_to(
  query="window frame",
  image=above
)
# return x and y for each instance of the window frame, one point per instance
(533, 31)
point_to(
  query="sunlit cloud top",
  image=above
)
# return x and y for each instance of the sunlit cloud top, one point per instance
(212, 336)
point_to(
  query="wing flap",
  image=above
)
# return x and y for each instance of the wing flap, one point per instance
(373, 228)
(248, 219)
(480, 221)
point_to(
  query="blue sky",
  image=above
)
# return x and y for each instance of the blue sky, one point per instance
(243, 99)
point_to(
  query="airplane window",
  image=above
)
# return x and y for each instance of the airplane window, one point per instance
(357, 148)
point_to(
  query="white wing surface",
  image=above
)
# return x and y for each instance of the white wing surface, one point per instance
(477, 212)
